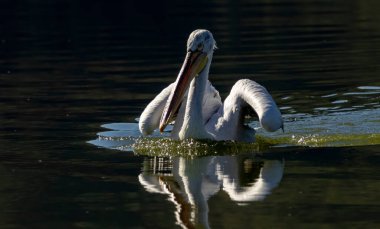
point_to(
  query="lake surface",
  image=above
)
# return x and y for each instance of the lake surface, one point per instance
(74, 77)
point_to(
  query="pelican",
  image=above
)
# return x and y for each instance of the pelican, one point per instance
(195, 105)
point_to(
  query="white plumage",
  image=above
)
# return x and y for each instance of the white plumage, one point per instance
(196, 107)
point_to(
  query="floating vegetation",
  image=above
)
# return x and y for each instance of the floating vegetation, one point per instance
(165, 147)
(334, 140)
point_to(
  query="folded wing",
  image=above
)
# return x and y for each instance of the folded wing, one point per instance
(245, 95)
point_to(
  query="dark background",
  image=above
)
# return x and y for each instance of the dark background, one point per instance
(67, 67)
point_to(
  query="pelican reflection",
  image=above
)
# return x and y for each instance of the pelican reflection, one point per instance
(190, 183)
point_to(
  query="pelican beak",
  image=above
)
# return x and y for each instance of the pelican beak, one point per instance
(194, 63)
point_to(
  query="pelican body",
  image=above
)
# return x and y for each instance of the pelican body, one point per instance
(195, 105)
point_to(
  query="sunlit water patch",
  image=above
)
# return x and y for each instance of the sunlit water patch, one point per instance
(353, 128)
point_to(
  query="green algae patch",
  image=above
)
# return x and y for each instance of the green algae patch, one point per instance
(165, 147)
(320, 140)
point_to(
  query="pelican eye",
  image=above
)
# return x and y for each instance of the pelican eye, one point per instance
(200, 47)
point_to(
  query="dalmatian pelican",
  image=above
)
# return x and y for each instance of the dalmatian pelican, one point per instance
(196, 107)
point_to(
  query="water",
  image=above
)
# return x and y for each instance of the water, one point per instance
(78, 72)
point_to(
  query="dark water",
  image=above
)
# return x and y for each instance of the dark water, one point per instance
(69, 67)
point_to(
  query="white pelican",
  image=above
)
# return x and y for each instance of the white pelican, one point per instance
(196, 107)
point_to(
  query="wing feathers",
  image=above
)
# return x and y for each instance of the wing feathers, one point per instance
(256, 96)
(150, 118)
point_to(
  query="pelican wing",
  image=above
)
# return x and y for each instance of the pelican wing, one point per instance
(262, 103)
(228, 122)
(150, 117)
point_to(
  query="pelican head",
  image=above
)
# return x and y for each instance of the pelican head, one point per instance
(200, 48)
(201, 40)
